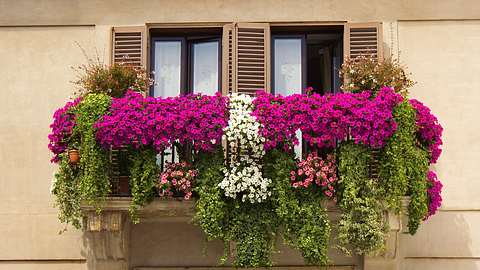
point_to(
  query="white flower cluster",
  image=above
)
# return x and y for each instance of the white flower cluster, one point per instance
(243, 177)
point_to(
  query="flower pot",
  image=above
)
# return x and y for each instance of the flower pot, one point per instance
(73, 156)
(123, 185)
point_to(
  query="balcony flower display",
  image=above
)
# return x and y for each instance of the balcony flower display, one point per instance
(364, 151)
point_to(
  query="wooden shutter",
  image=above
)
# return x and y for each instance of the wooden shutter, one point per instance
(363, 39)
(228, 59)
(129, 45)
(246, 52)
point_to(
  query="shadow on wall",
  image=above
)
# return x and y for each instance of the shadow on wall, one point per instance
(443, 242)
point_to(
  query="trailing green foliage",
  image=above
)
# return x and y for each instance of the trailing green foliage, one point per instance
(361, 228)
(252, 228)
(143, 178)
(94, 162)
(88, 181)
(301, 212)
(210, 208)
(417, 168)
(392, 159)
(404, 166)
(67, 193)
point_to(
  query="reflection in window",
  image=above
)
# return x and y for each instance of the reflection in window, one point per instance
(205, 67)
(168, 59)
(288, 72)
(288, 66)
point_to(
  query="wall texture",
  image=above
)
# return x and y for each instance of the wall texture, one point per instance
(437, 40)
(444, 59)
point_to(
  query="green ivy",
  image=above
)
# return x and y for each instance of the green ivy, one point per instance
(403, 167)
(143, 179)
(67, 193)
(253, 228)
(94, 161)
(88, 181)
(210, 207)
(361, 228)
(417, 168)
(304, 219)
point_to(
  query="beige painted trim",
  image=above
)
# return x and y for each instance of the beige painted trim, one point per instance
(45, 25)
(43, 261)
(442, 258)
(186, 25)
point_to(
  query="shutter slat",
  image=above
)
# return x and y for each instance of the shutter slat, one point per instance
(247, 46)
(363, 39)
(128, 45)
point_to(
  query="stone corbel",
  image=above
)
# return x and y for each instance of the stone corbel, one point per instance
(107, 239)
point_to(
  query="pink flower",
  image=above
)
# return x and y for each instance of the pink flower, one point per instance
(179, 176)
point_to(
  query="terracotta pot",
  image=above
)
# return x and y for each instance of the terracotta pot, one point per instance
(73, 156)
(124, 185)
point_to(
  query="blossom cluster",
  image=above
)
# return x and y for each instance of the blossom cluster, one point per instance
(243, 175)
(434, 193)
(324, 120)
(177, 177)
(62, 128)
(317, 171)
(190, 119)
(429, 129)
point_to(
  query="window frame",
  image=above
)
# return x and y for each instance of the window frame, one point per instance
(303, 54)
(183, 60)
(187, 57)
(191, 57)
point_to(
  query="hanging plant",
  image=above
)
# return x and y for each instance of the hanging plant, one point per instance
(243, 175)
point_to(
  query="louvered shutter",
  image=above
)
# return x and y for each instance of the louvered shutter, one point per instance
(129, 45)
(228, 56)
(247, 55)
(363, 39)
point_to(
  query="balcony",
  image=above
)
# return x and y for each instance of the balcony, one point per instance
(113, 242)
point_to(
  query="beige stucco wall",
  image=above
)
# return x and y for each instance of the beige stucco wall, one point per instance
(444, 57)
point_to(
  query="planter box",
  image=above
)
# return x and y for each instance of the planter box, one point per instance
(165, 237)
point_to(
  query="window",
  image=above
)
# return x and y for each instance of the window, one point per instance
(184, 61)
(306, 57)
(187, 61)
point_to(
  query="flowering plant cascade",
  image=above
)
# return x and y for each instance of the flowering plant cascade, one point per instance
(260, 189)
(243, 175)
(159, 122)
(429, 130)
(434, 193)
(324, 120)
(177, 177)
(62, 129)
